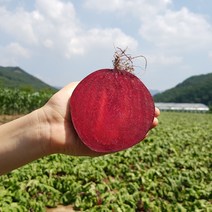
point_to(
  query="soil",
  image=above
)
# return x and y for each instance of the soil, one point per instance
(61, 208)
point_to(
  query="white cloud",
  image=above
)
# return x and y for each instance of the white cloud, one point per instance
(177, 30)
(17, 24)
(136, 7)
(56, 10)
(53, 24)
(159, 24)
(164, 59)
(17, 50)
(48, 43)
(10, 54)
(101, 38)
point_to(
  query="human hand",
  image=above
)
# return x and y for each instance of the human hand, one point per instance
(60, 133)
(43, 132)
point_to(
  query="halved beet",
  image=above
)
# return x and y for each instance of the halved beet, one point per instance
(111, 110)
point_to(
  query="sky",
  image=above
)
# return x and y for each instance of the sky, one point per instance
(61, 41)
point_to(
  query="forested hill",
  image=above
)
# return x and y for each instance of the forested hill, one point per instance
(196, 89)
(15, 77)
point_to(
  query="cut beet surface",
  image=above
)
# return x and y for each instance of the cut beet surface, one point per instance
(111, 110)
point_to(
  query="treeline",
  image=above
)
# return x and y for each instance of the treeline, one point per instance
(196, 89)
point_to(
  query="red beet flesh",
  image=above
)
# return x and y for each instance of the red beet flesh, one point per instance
(111, 110)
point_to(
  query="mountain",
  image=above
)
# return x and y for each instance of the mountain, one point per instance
(196, 89)
(15, 77)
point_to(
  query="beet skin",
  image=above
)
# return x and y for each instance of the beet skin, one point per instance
(111, 110)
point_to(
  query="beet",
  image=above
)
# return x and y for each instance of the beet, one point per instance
(111, 110)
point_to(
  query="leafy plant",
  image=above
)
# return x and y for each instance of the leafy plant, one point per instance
(17, 101)
(169, 171)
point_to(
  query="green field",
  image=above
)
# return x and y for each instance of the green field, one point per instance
(22, 101)
(169, 171)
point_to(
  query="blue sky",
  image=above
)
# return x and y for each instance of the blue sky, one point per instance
(61, 41)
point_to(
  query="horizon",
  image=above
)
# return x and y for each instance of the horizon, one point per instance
(153, 91)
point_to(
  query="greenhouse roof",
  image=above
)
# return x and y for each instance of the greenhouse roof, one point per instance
(182, 106)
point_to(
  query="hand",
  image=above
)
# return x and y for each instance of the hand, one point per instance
(155, 121)
(62, 136)
(43, 132)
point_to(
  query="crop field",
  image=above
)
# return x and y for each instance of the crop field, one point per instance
(16, 101)
(169, 171)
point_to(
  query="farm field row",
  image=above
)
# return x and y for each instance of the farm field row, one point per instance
(169, 171)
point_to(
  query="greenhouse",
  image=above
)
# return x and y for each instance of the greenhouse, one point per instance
(188, 107)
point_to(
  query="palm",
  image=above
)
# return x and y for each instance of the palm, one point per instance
(64, 139)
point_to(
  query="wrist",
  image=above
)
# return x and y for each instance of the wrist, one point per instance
(22, 141)
(42, 130)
